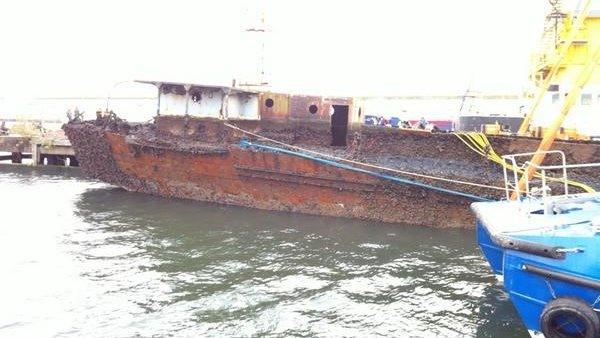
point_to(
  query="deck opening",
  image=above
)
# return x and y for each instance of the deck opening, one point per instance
(339, 125)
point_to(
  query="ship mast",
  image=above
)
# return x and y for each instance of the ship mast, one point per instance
(548, 61)
(556, 15)
(256, 35)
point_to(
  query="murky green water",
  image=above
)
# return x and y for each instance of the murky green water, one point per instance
(83, 259)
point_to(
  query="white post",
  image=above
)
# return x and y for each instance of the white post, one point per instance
(35, 152)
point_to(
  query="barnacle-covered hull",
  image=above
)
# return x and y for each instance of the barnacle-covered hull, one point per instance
(227, 173)
(201, 159)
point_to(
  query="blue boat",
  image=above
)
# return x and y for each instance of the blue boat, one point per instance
(545, 249)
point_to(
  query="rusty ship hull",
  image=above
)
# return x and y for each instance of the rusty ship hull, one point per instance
(201, 159)
(192, 151)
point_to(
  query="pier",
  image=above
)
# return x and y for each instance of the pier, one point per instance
(41, 151)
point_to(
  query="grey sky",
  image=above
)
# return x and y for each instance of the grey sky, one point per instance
(74, 48)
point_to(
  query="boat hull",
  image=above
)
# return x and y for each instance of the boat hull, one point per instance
(252, 178)
(200, 159)
(531, 280)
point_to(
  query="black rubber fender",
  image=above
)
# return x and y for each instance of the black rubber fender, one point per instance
(567, 317)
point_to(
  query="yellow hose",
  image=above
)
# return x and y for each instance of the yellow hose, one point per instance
(480, 144)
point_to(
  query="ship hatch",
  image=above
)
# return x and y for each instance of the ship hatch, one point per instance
(339, 125)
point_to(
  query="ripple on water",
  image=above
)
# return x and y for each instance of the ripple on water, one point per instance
(373, 246)
(102, 262)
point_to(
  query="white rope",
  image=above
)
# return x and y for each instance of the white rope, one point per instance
(364, 164)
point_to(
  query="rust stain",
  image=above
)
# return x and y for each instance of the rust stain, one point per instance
(283, 182)
(199, 159)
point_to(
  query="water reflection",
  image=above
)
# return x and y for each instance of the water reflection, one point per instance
(138, 265)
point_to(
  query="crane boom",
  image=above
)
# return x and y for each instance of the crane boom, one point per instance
(556, 65)
(549, 137)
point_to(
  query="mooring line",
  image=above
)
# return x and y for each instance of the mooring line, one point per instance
(246, 143)
(480, 144)
(443, 179)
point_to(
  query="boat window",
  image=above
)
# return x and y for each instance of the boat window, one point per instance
(586, 99)
(313, 109)
(269, 102)
(555, 97)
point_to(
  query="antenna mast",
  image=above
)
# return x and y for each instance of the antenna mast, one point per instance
(257, 34)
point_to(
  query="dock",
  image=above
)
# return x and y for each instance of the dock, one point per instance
(42, 151)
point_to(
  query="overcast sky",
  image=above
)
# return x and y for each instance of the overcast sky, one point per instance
(75, 48)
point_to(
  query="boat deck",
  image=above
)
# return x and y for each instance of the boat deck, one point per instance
(571, 226)
(575, 215)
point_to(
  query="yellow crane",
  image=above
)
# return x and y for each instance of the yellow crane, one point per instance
(581, 79)
(571, 63)
(550, 135)
(563, 49)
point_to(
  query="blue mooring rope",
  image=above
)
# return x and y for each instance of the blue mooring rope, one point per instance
(244, 143)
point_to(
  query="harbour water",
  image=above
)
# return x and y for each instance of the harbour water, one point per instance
(84, 259)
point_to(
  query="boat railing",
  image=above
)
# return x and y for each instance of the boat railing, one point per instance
(544, 174)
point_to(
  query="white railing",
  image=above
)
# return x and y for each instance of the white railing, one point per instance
(511, 184)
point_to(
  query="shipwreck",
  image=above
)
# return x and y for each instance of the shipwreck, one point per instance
(296, 153)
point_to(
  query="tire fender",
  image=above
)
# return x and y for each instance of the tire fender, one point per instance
(564, 316)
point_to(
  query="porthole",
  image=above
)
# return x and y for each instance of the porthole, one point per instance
(313, 109)
(269, 103)
(196, 96)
